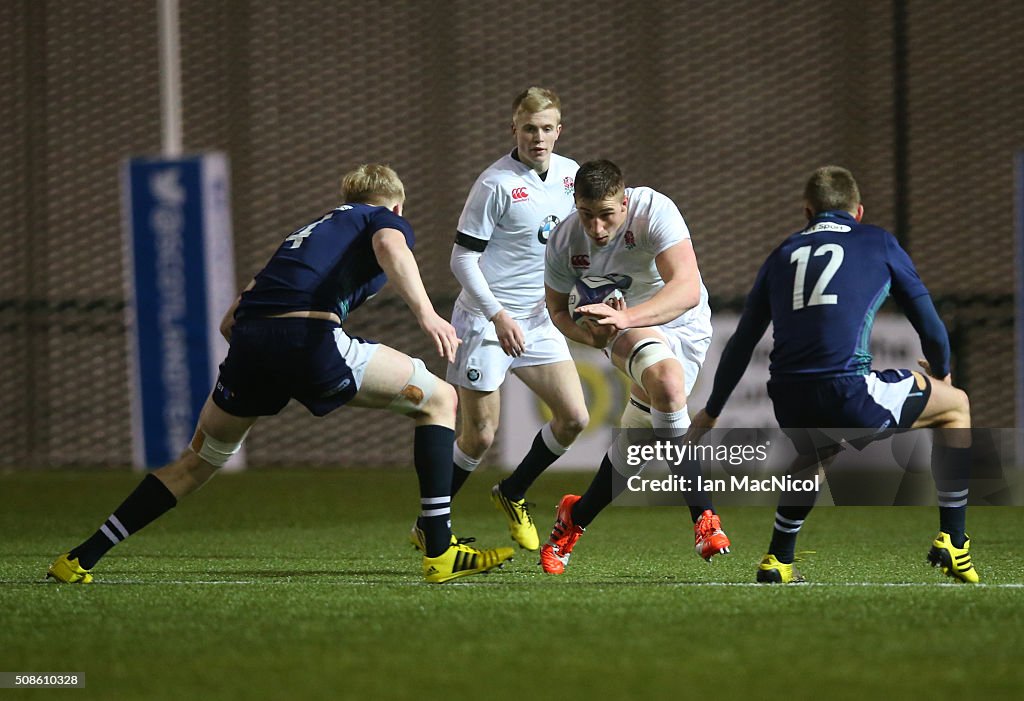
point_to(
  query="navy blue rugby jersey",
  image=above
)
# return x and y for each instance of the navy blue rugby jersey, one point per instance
(328, 265)
(821, 289)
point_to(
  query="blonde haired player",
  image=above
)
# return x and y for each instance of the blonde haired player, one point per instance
(498, 258)
(658, 336)
(287, 342)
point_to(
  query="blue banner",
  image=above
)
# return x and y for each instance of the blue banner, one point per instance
(180, 279)
(1019, 302)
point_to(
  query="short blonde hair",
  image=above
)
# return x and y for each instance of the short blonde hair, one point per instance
(373, 183)
(534, 100)
(832, 188)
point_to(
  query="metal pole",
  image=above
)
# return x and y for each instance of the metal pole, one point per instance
(170, 78)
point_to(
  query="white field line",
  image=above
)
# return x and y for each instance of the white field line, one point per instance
(492, 583)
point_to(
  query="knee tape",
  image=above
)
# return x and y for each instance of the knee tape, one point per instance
(216, 452)
(417, 391)
(635, 415)
(644, 354)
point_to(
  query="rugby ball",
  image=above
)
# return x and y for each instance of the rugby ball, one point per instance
(596, 289)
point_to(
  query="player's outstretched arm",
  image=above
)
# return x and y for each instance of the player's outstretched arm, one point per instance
(927, 367)
(702, 423)
(925, 319)
(754, 321)
(736, 356)
(913, 298)
(399, 264)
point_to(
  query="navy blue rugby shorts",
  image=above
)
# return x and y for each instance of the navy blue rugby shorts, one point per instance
(271, 361)
(880, 402)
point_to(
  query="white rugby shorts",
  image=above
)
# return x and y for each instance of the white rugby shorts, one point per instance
(689, 349)
(356, 352)
(480, 363)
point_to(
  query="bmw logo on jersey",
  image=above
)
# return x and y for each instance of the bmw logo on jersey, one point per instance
(546, 227)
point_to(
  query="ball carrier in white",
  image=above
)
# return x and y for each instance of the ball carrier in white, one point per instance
(498, 258)
(658, 335)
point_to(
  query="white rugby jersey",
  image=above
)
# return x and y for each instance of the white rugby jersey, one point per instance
(653, 224)
(514, 212)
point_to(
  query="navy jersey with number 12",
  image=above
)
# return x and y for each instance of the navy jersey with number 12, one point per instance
(822, 287)
(328, 265)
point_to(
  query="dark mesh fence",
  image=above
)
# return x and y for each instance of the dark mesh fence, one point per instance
(726, 107)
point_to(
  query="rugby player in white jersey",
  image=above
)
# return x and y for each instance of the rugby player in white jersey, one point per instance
(498, 258)
(658, 336)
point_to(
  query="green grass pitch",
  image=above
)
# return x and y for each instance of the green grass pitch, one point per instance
(301, 585)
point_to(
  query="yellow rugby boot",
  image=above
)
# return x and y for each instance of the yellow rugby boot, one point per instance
(461, 560)
(955, 562)
(520, 523)
(68, 571)
(771, 571)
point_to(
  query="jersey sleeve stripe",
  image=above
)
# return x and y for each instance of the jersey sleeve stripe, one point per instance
(470, 242)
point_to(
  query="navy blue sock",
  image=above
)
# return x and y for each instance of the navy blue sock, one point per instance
(951, 468)
(459, 477)
(788, 522)
(536, 461)
(598, 495)
(150, 500)
(432, 455)
(699, 501)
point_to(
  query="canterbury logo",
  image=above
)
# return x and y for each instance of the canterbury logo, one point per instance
(580, 261)
(519, 194)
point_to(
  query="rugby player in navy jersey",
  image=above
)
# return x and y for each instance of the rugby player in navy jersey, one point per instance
(287, 342)
(821, 289)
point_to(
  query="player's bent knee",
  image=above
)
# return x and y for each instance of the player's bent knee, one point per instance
(417, 397)
(477, 436)
(213, 451)
(476, 445)
(444, 400)
(953, 408)
(669, 392)
(965, 402)
(644, 354)
(964, 407)
(575, 424)
(572, 423)
(666, 386)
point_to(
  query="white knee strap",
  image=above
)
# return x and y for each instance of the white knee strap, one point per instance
(644, 354)
(417, 391)
(217, 452)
